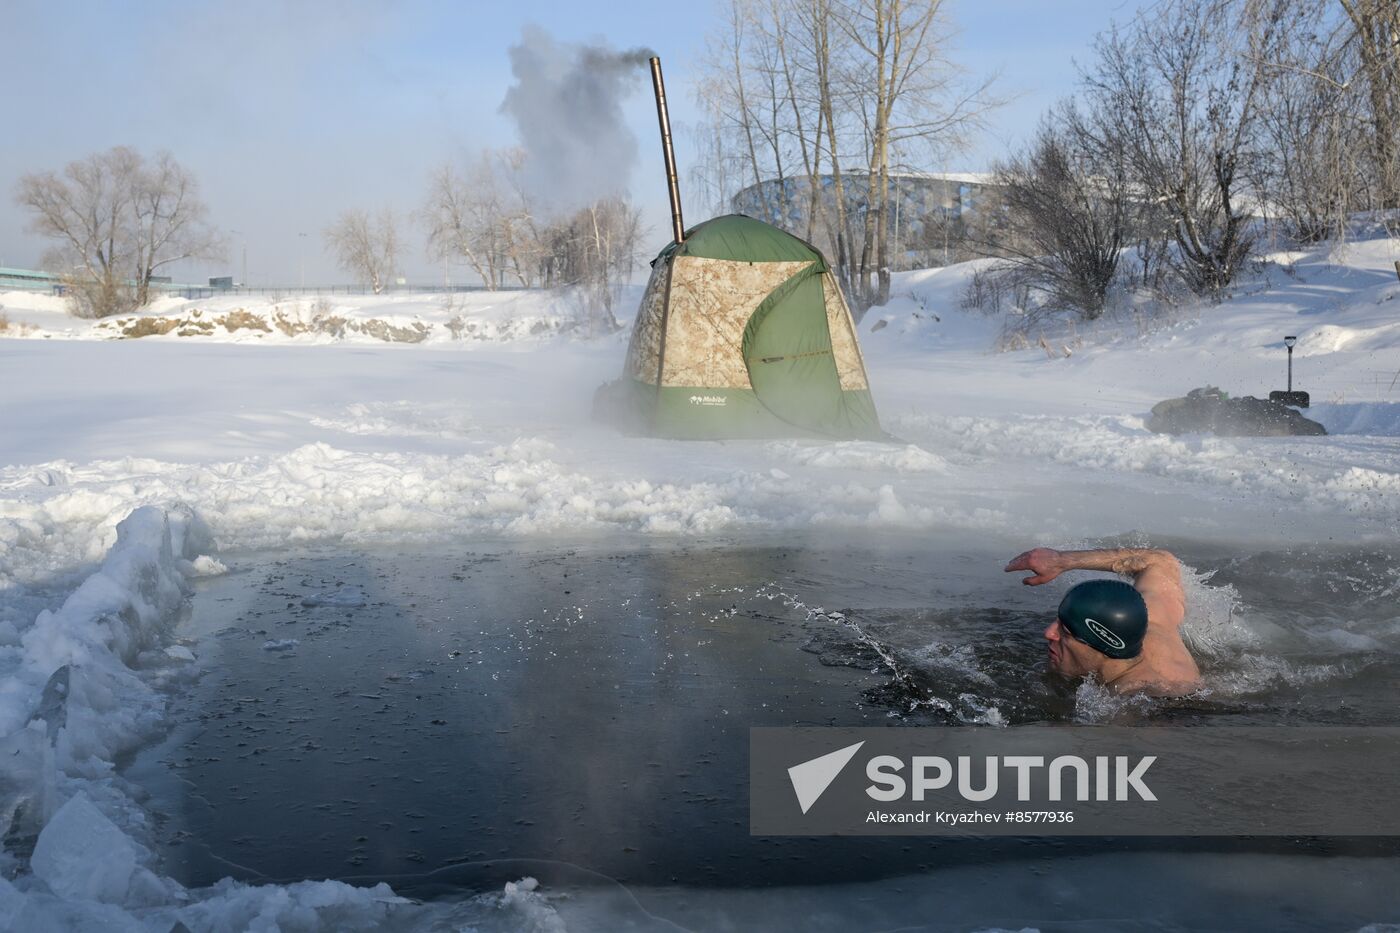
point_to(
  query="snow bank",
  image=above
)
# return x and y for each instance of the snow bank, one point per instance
(70, 674)
(1311, 473)
(80, 688)
(444, 319)
(319, 492)
(1373, 418)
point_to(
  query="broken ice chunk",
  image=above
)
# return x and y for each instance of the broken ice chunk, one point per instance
(82, 855)
(203, 566)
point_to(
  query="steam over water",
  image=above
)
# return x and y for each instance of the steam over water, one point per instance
(452, 719)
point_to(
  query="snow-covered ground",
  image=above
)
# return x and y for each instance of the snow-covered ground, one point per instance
(407, 317)
(130, 463)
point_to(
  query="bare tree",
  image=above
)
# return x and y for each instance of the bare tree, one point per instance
(486, 218)
(169, 222)
(787, 38)
(819, 82)
(595, 250)
(1309, 172)
(913, 100)
(1376, 35)
(520, 227)
(824, 56)
(724, 92)
(115, 221)
(1182, 89)
(366, 247)
(1069, 198)
(460, 223)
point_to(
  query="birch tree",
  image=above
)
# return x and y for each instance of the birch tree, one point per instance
(819, 82)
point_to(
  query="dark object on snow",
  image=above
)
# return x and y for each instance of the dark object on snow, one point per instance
(1210, 411)
(1296, 399)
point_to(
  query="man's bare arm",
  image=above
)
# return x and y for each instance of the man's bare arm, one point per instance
(1130, 562)
(1156, 573)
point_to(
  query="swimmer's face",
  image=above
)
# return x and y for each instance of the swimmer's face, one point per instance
(1069, 656)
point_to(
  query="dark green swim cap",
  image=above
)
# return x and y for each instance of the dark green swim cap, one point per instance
(1107, 615)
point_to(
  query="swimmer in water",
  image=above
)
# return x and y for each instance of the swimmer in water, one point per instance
(1127, 636)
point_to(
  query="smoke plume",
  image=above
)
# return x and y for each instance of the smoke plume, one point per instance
(567, 106)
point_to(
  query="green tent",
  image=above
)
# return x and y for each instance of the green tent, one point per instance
(742, 332)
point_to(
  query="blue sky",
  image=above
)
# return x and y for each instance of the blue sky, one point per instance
(291, 112)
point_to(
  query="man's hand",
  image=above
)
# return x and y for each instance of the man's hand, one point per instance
(1045, 564)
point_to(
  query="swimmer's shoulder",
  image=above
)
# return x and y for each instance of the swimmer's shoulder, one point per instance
(1154, 684)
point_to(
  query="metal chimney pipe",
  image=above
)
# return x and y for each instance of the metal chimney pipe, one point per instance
(677, 225)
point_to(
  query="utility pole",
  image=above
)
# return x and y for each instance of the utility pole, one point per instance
(301, 253)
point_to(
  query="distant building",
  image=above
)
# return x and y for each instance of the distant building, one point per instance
(930, 214)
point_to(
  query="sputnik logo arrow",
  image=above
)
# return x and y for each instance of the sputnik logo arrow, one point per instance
(811, 778)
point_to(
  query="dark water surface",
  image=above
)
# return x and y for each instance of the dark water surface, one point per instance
(450, 718)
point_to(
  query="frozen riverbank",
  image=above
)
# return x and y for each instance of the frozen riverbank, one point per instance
(362, 443)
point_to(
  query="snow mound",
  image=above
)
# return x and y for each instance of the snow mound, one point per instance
(861, 455)
(1378, 419)
(319, 492)
(456, 318)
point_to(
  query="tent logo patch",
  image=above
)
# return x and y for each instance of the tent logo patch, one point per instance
(711, 400)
